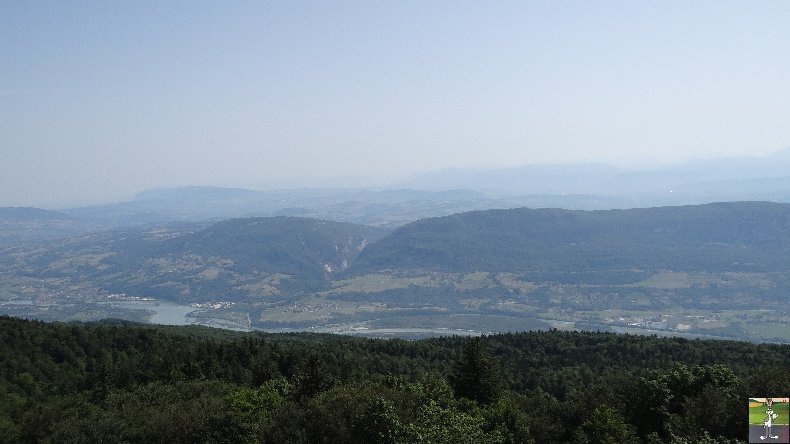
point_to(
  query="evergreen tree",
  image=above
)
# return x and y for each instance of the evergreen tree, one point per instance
(476, 376)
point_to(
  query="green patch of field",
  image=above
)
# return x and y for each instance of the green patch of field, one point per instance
(319, 309)
(374, 283)
(762, 280)
(473, 303)
(363, 308)
(515, 307)
(209, 273)
(668, 280)
(757, 414)
(473, 281)
(263, 288)
(509, 281)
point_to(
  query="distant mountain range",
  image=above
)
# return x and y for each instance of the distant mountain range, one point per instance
(646, 186)
(581, 186)
(379, 207)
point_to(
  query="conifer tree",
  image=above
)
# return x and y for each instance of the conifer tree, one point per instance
(476, 375)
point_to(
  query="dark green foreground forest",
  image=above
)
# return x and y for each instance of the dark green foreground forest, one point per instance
(118, 382)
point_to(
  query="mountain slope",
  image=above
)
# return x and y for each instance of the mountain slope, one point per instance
(230, 259)
(744, 236)
(291, 245)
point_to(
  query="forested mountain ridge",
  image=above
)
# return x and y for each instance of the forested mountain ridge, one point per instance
(129, 383)
(742, 236)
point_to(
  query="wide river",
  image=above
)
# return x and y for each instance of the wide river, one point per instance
(165, 313)
(169, 313)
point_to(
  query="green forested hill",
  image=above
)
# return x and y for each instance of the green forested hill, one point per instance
(118, 382)
(742, 236)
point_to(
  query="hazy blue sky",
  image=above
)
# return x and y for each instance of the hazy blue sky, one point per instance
(101, 99)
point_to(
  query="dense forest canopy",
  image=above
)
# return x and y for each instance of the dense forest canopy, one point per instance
(120, 382)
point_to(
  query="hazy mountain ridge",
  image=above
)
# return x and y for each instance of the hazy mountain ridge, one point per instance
(369, 207)
(745, 236)
(643, 186)
(577, 186)
(525, 179)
